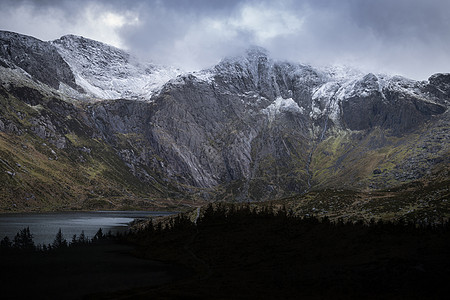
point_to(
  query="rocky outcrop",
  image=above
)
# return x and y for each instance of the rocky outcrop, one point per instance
(385, 105)
(39, 59)
(439, 86)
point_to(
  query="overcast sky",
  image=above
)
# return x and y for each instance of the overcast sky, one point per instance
(406, 37)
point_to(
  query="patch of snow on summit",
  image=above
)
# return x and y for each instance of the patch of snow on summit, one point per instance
(107, 72)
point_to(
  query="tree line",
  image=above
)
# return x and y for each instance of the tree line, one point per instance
(223, 216)
(23, 241)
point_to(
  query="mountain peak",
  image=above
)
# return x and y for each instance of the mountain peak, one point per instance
(251, 54)
(74, 37)
(82, 43)
(71, 37)
(256, 51)
(107, 72)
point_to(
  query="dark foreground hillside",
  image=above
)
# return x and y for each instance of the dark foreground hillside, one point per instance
(74, 272)
(241, 252)
(244, 253)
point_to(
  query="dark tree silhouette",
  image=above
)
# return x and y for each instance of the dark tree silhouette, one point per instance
(24, 240)
(99, 235)
(5, 243)
(82, 238)
(59, 241)
(74, 240)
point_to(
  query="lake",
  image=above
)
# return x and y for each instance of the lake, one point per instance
(44, 226)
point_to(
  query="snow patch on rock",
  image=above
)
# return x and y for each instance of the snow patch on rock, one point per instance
(206, 75)
(281, 105)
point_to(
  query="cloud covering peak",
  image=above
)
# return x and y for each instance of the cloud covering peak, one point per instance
(407, 37)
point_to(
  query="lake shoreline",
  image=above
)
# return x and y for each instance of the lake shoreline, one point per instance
(39, 211)
(44, 226)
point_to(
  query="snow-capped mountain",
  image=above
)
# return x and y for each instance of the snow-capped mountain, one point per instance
(106, 72)
(249, 127)
(85, 69)
(319, 93)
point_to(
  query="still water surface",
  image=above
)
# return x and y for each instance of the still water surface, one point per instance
(44, 226)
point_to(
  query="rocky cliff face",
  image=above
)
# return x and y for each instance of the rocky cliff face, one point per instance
(249, 128)
(39, 59)
(251, 125)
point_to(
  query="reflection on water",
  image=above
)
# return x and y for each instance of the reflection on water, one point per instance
(45, 226)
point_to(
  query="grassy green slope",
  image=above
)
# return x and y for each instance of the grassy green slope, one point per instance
(378, 159)
(86, 173)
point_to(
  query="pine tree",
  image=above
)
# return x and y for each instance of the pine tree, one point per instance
(24, 240)
(60, 241)
(5, 243)
(82, 238)
(99, 235)
(74, 240)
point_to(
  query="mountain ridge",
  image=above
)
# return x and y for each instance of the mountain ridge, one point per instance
(248, 129)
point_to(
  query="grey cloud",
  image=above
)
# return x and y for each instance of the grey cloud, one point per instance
(393, 19)
(409, 37)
